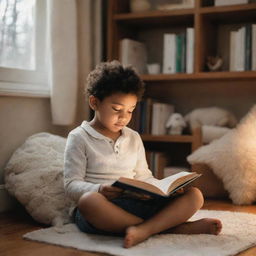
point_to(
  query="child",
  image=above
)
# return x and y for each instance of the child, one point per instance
(102, 150)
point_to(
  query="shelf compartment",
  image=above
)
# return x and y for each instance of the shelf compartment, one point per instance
(246, 75)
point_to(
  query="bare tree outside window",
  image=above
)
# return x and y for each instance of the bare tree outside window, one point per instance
(17, 34)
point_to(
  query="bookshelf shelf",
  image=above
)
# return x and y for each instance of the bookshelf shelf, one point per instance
(228, 8)
(167, 138)
(245, 75)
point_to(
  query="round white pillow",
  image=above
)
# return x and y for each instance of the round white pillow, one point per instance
(34, 176)
(233, 159)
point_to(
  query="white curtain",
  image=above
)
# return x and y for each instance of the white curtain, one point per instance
(63, 60)
(90, 45)
(92, 10)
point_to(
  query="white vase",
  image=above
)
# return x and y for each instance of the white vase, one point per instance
(139, 5)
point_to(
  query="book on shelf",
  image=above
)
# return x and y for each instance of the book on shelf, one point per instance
(242, 48)
(233, 51)
(180, 53)
(229, 2)
(163, 188)
(157, 161)
(190, 40)
(160, 114)
(248, 47)
(169, 54)
(133, 53)
(253, 46)
(237, 50)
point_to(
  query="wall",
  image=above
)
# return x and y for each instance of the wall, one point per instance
(21, 117)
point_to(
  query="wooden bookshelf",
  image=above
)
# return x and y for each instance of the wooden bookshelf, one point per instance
(231, 90)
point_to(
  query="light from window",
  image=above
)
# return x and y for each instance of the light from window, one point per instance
(17, 38)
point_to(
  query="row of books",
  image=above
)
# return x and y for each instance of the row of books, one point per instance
(178, 52)
(243, 48)
(150, 117)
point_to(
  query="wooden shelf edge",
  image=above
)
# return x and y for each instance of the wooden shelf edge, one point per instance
(244, 75)
(183, 11)
(167, 138)
(153, 14)
(228, 8)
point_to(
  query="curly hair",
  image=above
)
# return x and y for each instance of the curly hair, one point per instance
(111, 77)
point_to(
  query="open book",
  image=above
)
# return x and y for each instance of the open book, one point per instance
(160, 188)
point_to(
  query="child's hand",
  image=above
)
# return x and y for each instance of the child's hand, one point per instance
(110, 192)
(180, 191)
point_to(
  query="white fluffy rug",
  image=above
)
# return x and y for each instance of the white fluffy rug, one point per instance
(238, 234)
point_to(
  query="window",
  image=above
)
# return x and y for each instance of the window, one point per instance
(22, 47)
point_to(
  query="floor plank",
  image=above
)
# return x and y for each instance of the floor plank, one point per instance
(14, 225)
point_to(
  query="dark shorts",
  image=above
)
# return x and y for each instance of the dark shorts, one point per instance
(141, 208)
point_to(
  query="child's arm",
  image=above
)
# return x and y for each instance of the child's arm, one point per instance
(75, 164)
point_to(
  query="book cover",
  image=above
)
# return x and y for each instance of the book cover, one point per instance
(190, 50)
(248, 47)
(253, 46)
(163, 188)
(241, 49)
(180, 53)
(233, 51)
(133, 53)
(169, 54)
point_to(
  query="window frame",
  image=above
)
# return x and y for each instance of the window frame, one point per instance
(33, 83)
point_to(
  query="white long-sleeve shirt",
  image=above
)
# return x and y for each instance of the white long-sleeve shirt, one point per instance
(92, 159)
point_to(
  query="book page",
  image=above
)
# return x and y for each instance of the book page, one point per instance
(173, 181)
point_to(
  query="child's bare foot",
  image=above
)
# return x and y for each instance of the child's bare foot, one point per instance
(202, 226)
(134, 235)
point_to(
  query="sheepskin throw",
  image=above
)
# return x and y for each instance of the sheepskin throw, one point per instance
(34, 175)
(238, 234)
(233, 159)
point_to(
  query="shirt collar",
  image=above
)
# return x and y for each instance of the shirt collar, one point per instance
(87, 127)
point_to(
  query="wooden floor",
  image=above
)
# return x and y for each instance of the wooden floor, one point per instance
(14, 225)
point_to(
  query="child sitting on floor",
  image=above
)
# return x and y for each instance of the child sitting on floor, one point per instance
(102, 150)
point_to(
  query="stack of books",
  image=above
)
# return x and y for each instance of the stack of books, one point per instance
(178, 52)
(243, 48)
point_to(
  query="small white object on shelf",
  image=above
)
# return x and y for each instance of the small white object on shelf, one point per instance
(153, 68)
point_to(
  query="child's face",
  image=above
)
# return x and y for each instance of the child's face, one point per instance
(114, 112)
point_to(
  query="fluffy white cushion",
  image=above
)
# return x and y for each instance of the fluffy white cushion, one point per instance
(233, 159)
(34, 175)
